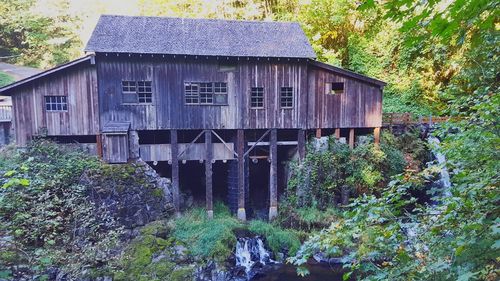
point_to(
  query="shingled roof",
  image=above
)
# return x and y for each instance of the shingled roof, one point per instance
(203, 37)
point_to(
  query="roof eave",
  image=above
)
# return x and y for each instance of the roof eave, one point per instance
(5, 90)
(349, 73)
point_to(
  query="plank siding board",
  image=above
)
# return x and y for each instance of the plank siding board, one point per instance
(358, 107)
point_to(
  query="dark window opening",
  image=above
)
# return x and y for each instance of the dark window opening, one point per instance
(257, 97)
(56, 103)
(205, 93)
(286, 97)
(137, 92)
(337, 88)
(73, 139)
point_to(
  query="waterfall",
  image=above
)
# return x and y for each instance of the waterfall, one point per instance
(444, 180)
(250, 252)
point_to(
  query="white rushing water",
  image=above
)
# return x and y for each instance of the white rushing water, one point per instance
(250, 251)
(441, 159)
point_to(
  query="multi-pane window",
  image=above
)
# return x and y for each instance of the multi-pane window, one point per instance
(337, 88)
(286, 97)
(191, 93)
(137, 92)
(257, 97)
(205, 93)
(56, 103)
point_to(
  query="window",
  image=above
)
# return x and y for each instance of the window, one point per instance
(257, 97)
(144, 92)
(56, 103)
(205, 93)
(337, 88)
(286, 97)
(137, 92)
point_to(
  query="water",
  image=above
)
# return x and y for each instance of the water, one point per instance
(286, 272)
(252, 254)
(444, 180)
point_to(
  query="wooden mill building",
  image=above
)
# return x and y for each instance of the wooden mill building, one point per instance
(215, 105)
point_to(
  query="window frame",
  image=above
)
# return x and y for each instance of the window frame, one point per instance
(143, 93)
(255, 97)
(205, 93)
(333, 91)
(290, 98)
(63, 103)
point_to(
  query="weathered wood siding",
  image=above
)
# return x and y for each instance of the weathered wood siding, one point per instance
(360, 106)
(78, 83)
(168, 109)
(115, 148)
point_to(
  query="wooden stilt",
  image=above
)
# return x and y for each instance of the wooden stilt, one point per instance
(175, 170)
(208, 173)
(337, 133)
(376, 136)
(99, 145)
(351, 138)
(301, 144)
(240, 150)
(133, 137)
(273, 175)
(318, 133)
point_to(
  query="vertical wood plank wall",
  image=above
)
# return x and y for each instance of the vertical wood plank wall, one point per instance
(79, 84)
(360, 106)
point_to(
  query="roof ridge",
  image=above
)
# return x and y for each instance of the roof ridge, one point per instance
(205, 19)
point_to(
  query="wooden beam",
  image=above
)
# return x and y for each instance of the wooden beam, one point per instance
(240, 150)
(376, 136)
(208, 173)
(273, 175)
(301, 144)
(98, 140)
(351, 138)
(175, 170)
(337, 133)
(318, 133)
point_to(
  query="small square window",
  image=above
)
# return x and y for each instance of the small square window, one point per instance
(191, 93)
(257, 97)
(337, 88)
(286, 97)
(144, 92)
(56, 103)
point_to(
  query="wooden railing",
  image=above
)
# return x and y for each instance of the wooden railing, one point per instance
(404, 119)
(5, 113)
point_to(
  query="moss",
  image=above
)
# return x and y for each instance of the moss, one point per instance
(157, 192)
(181, 274)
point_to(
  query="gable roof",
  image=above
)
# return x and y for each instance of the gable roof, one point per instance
(4, 90)
(202, 37)
(349, 73)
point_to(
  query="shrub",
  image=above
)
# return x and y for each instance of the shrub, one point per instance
(278, 239)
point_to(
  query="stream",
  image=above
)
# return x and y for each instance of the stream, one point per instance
(252, 255)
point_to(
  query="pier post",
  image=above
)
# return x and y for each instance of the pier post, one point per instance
(301, 144)
(273, 175)
(376, 136)
(208, 173)
(351, 138)
(175, 170)
(240, 150)
(337, 133)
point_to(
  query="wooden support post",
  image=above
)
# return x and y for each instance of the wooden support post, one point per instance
(318, 133)
(99, 145)
(133, 145)
(337, 133)
(351, 138)
(175, 170)
(240, 150)
(208, 173)
(376, 136)
(301, 144)
(273, 175)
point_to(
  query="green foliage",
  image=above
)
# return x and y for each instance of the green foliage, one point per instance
(207, 238)
(5, 79)
(48, 213)
(323, 174)
(279, 240)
